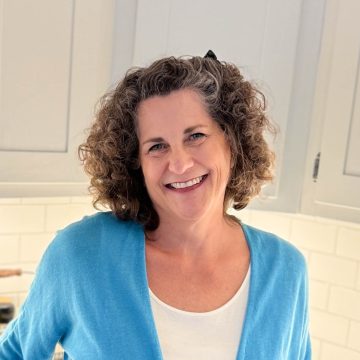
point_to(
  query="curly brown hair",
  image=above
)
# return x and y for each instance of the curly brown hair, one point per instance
(110, 154)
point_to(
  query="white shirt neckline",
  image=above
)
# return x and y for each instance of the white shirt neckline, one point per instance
(243, 287)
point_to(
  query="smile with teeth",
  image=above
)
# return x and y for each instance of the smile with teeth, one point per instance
(182, 185)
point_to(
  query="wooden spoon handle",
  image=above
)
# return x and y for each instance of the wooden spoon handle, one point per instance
(10, 272)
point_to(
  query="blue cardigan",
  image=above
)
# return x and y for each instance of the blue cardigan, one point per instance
(91, 294)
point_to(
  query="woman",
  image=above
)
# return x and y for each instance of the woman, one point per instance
(167, 273)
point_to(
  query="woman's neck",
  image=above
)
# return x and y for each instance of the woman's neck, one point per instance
(202, 241)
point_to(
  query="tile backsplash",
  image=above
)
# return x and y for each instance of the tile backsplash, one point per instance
(27, 226)
(332, 250)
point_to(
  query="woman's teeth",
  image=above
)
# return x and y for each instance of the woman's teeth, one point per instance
(181, 185)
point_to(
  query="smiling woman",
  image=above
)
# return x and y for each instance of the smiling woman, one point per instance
(111, 153)
(172, 147)
(187, 171)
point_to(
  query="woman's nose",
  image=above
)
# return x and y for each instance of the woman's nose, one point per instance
(180, 160)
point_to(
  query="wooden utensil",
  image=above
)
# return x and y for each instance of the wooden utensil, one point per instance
(10, 272)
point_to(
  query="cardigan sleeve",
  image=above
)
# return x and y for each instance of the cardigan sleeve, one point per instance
(306, 346)
(40, 323)
(301, 344)
(10, 342)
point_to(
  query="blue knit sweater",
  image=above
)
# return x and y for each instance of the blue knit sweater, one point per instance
(91, 294)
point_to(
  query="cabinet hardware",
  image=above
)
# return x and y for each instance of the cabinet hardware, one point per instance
(316, 167)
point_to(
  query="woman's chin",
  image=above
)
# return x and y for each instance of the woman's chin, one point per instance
(189, 214)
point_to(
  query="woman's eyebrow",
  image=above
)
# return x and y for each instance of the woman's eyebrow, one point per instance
(186, 131)
(192, 128)
(152, 140)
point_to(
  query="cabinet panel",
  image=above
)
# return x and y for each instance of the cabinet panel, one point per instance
(336, 191)
(66, 69)
(35, 75)
(352, 163)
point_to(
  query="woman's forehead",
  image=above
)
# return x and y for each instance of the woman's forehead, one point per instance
(182, 108)
(183, 98)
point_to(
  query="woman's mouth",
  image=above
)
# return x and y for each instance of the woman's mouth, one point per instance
(187, 185)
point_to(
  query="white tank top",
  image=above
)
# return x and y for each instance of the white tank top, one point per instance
(213, 335)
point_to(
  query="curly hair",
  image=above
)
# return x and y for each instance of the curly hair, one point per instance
(110, 154)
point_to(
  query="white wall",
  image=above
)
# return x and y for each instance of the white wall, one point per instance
(331, 248)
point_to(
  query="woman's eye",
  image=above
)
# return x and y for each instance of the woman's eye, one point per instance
(157, 147)
(196, 136)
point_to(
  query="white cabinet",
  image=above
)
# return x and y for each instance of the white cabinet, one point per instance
(55, 62)
(336, 133)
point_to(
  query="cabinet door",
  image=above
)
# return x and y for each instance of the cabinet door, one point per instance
(336, 191)
(55, 62)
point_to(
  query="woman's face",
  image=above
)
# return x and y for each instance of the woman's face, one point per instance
(184, 156)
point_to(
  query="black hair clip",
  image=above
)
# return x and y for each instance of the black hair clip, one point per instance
(210, 54)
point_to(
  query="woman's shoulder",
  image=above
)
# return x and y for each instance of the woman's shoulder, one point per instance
(94, 233)
(273, 251)
(96, 222)
(98, 225)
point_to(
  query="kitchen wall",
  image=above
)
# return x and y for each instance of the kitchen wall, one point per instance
(332, 249)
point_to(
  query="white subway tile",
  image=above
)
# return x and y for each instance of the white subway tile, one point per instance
(354, 335)
(328, 327)
(9, 297)
(327, 221)
(59, 216)
(33, 246)
(9, 201)
(25, 280)
(348, 243)
(9, 249)
(46, 200)
(21, 218)
(333, 352)
(305, 252)
(276, 223)
(244, 215)
(10, 284)
(312, 235)
(21, 298)
(332, 269)
(315, 349)
(81, 200)
(345, 302)
(319, 294)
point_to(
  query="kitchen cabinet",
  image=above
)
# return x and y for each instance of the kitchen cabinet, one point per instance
(335, 190)
(55, 62)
